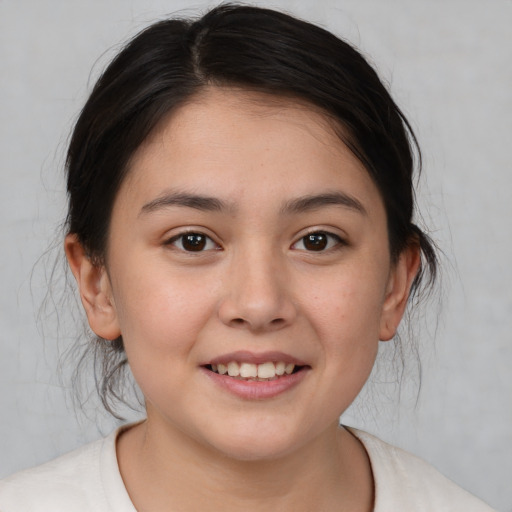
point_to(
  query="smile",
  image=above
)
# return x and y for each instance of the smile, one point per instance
(256, 372)
(256, 376)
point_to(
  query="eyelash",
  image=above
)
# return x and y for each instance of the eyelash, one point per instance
(331, 241)
(179, 239)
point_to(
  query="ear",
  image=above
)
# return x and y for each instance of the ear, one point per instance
(397, 293)
(95, 290)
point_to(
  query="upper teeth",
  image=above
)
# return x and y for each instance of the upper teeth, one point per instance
(248, 370)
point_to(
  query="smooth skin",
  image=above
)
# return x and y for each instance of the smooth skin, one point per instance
(290, 253)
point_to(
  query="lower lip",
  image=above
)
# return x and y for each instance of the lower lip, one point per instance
(257, 390)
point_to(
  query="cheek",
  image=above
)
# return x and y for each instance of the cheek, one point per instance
(349, 305)
(160, 324)
(346, 318)
(159, 314)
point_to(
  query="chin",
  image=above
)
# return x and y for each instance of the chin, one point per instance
(255, 443)
(257, 452)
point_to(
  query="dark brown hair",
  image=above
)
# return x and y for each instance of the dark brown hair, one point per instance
(169, 62)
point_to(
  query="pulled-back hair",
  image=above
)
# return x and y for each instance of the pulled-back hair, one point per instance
(171, 61)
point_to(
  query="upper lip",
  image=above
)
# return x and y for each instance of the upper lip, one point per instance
(243, 356)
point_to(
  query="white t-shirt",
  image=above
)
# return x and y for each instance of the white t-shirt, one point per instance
(88, 480)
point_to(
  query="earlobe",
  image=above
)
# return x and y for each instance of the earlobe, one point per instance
(95, 290)
(397, 294)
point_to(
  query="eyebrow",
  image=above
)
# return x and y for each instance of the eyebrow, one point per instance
(198, 202)
(212, 204)
(314, 202)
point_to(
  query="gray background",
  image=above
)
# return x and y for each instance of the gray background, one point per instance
(448, 64)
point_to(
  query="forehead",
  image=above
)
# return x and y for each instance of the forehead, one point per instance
(236, 102)
(234, 141)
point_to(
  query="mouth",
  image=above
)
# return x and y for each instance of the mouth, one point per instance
(256, 376)
(252, 372)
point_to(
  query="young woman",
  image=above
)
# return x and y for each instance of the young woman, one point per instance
(240, 230)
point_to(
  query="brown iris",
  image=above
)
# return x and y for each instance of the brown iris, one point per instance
(316, 241)
(194, 242)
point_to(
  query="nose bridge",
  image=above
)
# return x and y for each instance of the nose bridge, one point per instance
(260, 278)
(257, 295)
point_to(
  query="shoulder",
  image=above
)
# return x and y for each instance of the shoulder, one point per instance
(64, 482)
(404, 482)
(84, 480)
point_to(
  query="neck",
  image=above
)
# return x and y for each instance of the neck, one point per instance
(165, 470)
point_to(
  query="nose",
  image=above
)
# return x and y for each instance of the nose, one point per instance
(258, 294)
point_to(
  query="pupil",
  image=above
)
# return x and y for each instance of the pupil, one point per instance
(194, 242)
(315, 242)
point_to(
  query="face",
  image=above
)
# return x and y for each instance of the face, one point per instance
(247, 239)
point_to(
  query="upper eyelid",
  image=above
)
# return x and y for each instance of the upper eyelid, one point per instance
(342, 237)
(187, 231)
(327, 231)
(340, 240)
(173, 239)
(170, 240)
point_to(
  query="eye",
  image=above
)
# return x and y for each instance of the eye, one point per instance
(317, 241)
(193, 242)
